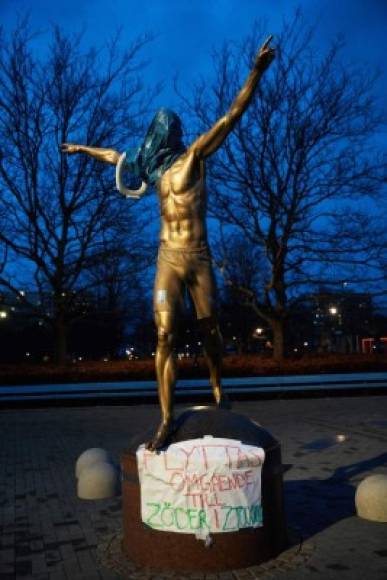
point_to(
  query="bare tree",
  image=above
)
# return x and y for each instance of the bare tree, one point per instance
(62, 218)
(301, 175)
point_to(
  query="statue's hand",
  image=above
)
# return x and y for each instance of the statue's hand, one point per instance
(266, 54)
(69, 148)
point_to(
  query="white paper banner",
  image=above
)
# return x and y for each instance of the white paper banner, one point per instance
(201, 486)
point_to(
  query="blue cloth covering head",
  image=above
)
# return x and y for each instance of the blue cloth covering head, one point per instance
(161, 147)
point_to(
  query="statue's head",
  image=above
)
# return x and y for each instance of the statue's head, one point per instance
(161, 146)
(164, 132)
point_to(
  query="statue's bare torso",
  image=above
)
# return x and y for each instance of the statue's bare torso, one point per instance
(183, 204)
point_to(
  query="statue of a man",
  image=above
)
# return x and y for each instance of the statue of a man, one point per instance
(184, 258)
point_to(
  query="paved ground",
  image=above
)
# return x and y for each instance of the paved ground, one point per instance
(48, 534)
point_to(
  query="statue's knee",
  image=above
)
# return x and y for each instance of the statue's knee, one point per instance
(209, 327)
(165, 329)
(165, 337)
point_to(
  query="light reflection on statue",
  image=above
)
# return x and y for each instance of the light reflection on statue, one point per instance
(184, 258)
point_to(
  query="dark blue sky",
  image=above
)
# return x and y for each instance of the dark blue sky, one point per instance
(186, 32)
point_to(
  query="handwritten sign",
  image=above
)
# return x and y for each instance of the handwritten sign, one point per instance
(201, 486)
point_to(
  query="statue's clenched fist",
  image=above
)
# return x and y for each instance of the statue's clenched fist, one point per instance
(265, 54)
(69, 148)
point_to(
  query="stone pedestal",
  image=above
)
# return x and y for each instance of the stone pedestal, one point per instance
(183, 552)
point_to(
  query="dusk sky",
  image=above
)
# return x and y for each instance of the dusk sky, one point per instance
(186, 32)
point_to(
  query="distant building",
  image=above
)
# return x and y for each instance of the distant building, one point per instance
(27, 327)
(375, 345)
(330, 321)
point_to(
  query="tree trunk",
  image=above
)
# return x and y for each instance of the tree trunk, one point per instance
(60, 341)
(278, 328)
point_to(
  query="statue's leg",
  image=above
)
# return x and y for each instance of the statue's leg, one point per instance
(213, 346)
(167, 297)
(166, 372)
(203, 291)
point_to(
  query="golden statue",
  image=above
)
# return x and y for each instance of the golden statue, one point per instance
(184, 258)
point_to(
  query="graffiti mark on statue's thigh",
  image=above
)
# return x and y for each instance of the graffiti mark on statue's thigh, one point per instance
(161, 296)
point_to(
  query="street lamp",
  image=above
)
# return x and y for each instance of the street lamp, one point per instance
(3, 314)
(333, 310)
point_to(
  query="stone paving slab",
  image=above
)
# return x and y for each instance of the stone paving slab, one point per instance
(48, 534)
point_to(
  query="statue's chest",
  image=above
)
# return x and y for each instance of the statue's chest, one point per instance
(181, 190)
(182, 205)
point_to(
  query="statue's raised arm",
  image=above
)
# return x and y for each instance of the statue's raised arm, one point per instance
(209, 142)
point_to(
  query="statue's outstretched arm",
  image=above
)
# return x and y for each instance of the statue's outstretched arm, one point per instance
(106, 155)
(209, 142)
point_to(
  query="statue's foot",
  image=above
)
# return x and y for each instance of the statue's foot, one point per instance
(159, 440)
(224, 402)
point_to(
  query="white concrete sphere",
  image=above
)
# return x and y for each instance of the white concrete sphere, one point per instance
(89, 457)
(98, 481)
(371, 498)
